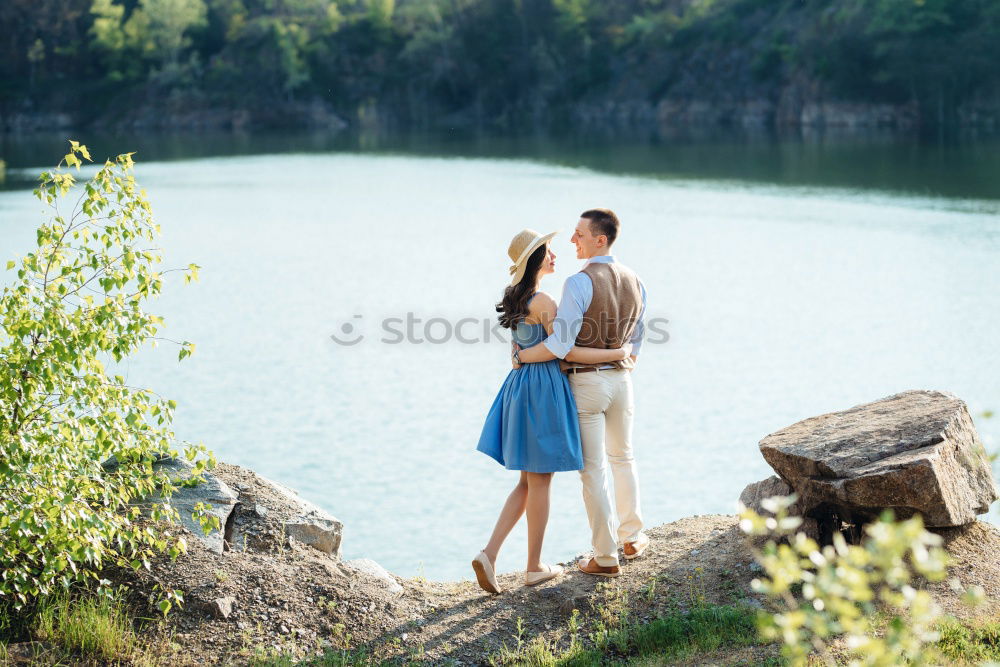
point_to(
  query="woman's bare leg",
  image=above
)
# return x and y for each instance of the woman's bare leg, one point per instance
(538, 515)
(509, 516)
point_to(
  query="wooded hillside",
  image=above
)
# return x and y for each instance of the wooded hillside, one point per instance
(499, 62)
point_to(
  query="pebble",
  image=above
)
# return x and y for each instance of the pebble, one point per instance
(283, 630)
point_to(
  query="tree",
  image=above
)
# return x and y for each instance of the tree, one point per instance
(109, 40)
(167, 23)
(380, 14)
(156, 30)
(75, 306)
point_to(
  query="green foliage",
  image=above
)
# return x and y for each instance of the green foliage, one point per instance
(380, 14)
(167, 23)
(156, 31)
(76, 307)
(845, 590)
(500, 61)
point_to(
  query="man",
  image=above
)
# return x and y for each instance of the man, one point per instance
(602, 306)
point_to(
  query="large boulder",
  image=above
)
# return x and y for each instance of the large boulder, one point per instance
(260, 514)
(212, 492)
(913, 452)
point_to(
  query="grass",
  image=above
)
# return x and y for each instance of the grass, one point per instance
(88, 627)
(675, 636)
(975, 642)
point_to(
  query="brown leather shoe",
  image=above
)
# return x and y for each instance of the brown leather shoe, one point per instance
(633, 550)
(591, 567)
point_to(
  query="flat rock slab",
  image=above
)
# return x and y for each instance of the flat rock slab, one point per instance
(913, 452)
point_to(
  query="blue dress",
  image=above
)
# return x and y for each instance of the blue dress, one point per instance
(532, 424)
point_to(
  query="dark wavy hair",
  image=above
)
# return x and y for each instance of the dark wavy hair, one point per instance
(513, 307)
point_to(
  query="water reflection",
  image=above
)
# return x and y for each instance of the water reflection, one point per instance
(963, 165)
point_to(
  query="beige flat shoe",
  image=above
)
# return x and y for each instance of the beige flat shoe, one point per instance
(485, 575)
(535, 578)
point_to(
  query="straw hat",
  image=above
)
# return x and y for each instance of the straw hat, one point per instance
(526, 242)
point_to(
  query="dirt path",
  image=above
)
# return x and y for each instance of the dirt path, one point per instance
(691, 561)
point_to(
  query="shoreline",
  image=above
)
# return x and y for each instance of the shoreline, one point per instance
(664, 117)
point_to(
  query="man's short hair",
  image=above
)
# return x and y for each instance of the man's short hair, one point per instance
(603, 221)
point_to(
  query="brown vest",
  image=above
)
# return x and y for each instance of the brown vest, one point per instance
(613, 312)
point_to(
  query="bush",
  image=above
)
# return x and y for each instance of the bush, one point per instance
(867, 594)
(76, 305)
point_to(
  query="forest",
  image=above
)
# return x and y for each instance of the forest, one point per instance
(502, 63)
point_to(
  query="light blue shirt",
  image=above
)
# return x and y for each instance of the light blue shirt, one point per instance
(577, 294)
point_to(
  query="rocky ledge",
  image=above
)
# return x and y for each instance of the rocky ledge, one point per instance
(272, 578)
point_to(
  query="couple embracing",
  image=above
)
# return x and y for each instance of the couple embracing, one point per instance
(568, 402)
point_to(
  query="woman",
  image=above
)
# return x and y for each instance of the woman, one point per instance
(532, 426)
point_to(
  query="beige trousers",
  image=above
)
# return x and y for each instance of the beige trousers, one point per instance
(604, 405)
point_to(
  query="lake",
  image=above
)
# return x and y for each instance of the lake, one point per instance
(790, 277)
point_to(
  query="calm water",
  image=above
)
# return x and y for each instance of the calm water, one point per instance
(796, 278)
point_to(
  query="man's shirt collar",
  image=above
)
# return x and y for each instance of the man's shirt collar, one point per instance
(600, 259)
